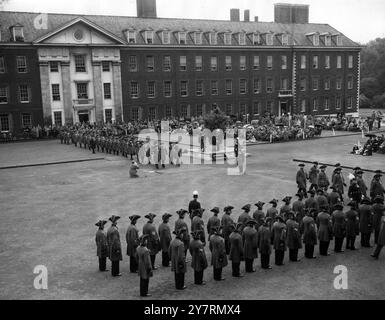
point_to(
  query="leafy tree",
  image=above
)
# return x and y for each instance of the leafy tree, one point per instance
(216, 119)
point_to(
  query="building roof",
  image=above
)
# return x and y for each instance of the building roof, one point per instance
(117, 25)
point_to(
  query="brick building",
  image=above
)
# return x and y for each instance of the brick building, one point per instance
(103, 68)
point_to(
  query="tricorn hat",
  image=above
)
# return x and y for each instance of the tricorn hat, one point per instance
(311, 191)
(251, 222)
(323, 167)
(274, 201)
(259, 204)
(246, 207)
(356, 168)
(215, 210)
(100, 223)
(150, 216)
(181, 212)
(299, 195)
(228, 208)
(286, 199)
(166, 216)
(366, 200)
(378, 199)
(134, 217)
(113, 218)
(315, 162)
(301, 165)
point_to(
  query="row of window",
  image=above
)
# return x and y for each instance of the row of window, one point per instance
(82, 91)
(5, 121)
(327, 103)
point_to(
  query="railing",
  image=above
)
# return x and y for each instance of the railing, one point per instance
(83, 101)
(285, 93)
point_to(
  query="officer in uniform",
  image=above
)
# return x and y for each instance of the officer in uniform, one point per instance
(376, 187)
(339, 227)
(114, 246)
(199, 260)
(361, 182)
(165, 239)
(301, 180)
(153, 243)
(250, 244)
(236, 254)
(194, 204)
(365, 213)
(309, 231)
(272, 212)
(132, 238)
(179, 224)
(286, 208)
(278, 237)
(293, 238)
(213, 221)
(323, 180)
(299, 208)
(226, 222)
(144, 265)
(264, 243)
(352, 225)
(313, 176)
(325, 231)
(244, 216)
(258, 214)
(101, 245)
(197, 224)
(311, 203)
(178, 258)
(218, 254)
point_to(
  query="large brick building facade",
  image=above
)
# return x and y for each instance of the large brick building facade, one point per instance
(105, 68)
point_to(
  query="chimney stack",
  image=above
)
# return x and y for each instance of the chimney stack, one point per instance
(146, 8)
(256, 18)
(234, 15)
(291, 13)
(246, 16)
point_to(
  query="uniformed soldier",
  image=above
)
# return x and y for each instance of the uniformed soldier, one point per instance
(213, 221)
(293, 237)
(165, 239)
(132, 239)
(309, 231)
(236, 254)
(323, 180)
(226, 222)
(178, 258)
(153, 243)
(354, 191)
(333, 197)
(272, 212)
(301, 180)
(376, 187)
(352, 225)
(381, 240)
(258, 214)
(365, 213)
(144, 265)
(321, 199)
(199, 260)
(338, 182)
(286, 208)
(244, 216)
(313, 176)
(101, 245)
(180, 223)
(339, 226)
(218, 254)
(361, 182)
(250, 244)
(311, 203)
(278, 238)
(197, 224)
(325, 231)
(299, 208)
(264, 243)
(114, 246)
(378, 211)
(193, 204)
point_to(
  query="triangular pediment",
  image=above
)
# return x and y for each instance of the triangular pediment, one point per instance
(80, 32)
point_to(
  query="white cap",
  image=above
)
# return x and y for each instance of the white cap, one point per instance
(195, 193)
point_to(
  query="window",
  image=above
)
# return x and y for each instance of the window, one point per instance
(284, 62)
(349, 102)
(182, 37)
(256, 39)
(23, 93)
(106, 66)
(80, 63)
(167, 90)
(302, 84)
(199, 110)
(135, 113)
(108, 115)
(285, 39)
(3, 94)
(183, 89)
(350, 82)
(151, 89)
(227, 38)
(149, 37)
(315, 84)
(214, 87)
(54, 66)
(228, 63)
(213, 38)
(134, 90)
(132, 64)
(242, 62)
(229, 108)
(198, 63)
(327, 62)
(214, 63)
(339, 40)
(150, 64)
(269, 39)
(339, 62)
(269, 106)
(183, 110)
(167, 63)
(327, 84)
(242, 86)
(199, 88)
(269, 85)
(315, 40)
(303, 105)
(243, 109)
(55, 92)
(131, 35)
(107, 90)
(338, 103)
(242, 38)
(182, 63)
(198, 37)
(255, 62)
(269, 62)
(256, 86)
(152, 113)
(338, 83)
(17, 33)
(166, 37)
(315, 104)
(168, 111)
(326, 104)
(82, 90)
(303, 62)
(21, 64)
(350, 62)
(284, 83)
(257, 107)
(26, 120)
(315, 62)
(57, 118)
(328, 41)
(229, 86)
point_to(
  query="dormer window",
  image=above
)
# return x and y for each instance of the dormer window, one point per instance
(315, 40)
(339, 40)
(131, 36)
(17, 33)
(213, 38)
(256, 39)
(269, 39)
(285, 39)
(242, 38)
(198, 37)
(182, 37)
(166, 37)
(328, 40)
(227, 38)
(149, 37)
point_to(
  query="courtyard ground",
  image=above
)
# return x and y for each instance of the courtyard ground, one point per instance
(47, 217)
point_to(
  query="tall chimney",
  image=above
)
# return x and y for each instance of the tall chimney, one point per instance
(256, 18)
(246, 15)
(234, 15)
(291, 13)
(146, 8)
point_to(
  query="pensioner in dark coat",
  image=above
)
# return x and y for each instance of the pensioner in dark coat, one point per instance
(250, 242)
(114, 245)
(218, 251)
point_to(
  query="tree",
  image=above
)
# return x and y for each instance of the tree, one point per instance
(370, 87)
(216, 119)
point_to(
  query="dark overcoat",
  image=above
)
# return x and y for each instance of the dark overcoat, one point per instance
(153, 243)
(101, 244)
(144, 262)
(293, 236)
(365, 213)
(352, 224)
(250, 242)
(164, 236)
(264, 240)
(177, 256)
(309, 231)
(114, 246)
(236, 247)
(132, 239)
(218, 251)
(197, 251)
(339, 224)
(325, 228)
(278, 235)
